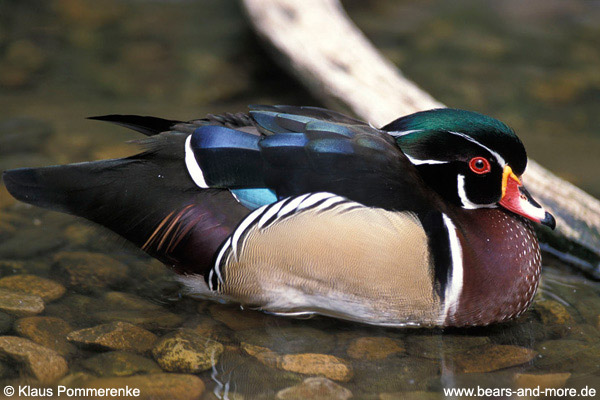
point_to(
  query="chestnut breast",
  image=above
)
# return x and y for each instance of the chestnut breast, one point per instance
(501, 267)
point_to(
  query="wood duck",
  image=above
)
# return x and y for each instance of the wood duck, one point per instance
(303, 210)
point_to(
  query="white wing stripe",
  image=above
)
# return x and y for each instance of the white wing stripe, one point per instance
(192, 165)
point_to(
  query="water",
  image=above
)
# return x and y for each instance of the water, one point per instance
(63, 60)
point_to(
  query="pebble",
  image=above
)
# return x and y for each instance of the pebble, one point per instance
(44, 364)
(19, 303)
(436, 346)
(374, 348)
(147, 319)
(185, 351)
(47, 289)
(50, 332)
(6, 322)
(120, 363)
(568, 356)
(395, 374)
(23, 135)
(156, 386)
(317, 388)
(414, 395)
(543, 381)
(253, 378)
(326, 365)
(114, 336)
(552, 312)
(30, 242)
(288, 339)
(122, 300)
(492, 358)
(237, 319)
(90, 271)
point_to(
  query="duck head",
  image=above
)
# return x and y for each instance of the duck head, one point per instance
(471, 160)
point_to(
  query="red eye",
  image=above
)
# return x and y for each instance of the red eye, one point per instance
(480, 165)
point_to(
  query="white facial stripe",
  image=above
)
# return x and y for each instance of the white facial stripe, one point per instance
(192, 165)
(416, 161)
(462, 194)
(470, 139)
(455, 283)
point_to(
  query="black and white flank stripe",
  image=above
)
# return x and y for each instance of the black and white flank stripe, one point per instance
(266, 216)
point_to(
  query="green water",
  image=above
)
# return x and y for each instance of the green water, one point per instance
(532, 64)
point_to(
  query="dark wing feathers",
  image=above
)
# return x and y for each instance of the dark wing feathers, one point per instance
(147, 125)
(309, 150)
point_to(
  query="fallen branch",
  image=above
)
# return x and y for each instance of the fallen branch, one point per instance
(316, 41)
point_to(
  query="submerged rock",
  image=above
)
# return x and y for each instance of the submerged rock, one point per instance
(237, 319)
(19, 303)
(185, 351)
(148, 319)
(318, 388)
(47, 289)
(289, 339)
(49, 332)
(395, 374)
(552, 312)
(306, 363)
(5, 322)
(492, 358)
(156, 386)
(568, 356)
(120, 363)
(42, 363)
(115, 336)
(415, 395)
(89, 271)
(374, 348)
(543, 381)
(437, 346)
(30, 242)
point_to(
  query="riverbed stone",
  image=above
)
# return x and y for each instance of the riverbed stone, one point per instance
(50, 332)
(6, 322)
(491, 358)
(27, 243)
(584, 332)
(552, 312)
(543, 381)
(47, 289)
(128, 301)
(253, 378)
(288, 339)
(20, 304)
(120, 363)
(185, 351)
(44, 364)
(90, 271)
(567, 355)
(148, 319)
(395, 374)
(237, 319)
(317, 388)
(435, 346)
(326, 365)
(374, 348)
(23, 134)
(114, 336)
(156, 386)
(414, 395)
